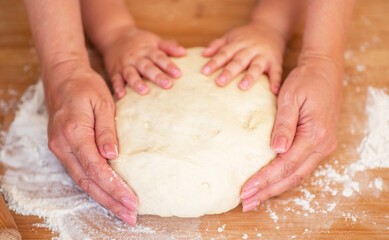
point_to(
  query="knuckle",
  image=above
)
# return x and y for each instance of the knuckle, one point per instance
(249, 77)
(53, 146)
(107, 105)
(92, 170)
(283, 125)
(223, 54)
(297, 179)
(85, 184)
(69, 127)
(238, 62)
(159, 77)
(289, 167)
(321, 133)
(148, 66)
(212, 63)
(227, 72)
(105, 132)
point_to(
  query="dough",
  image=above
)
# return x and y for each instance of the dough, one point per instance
(188, 151)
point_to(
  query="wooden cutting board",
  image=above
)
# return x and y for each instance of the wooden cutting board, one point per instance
(193, 23)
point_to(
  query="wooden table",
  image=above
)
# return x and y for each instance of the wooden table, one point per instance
(195, 23)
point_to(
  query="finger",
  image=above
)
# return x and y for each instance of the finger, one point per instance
(172, 48)
(284, 184)
(81, 139)
(118, 85)
(97, 193)
(134, 80)
(214, 47)
(153, 73)
(165, 63)
(238, 63)
(275, 74)
(283, 165)
(221, 58)
(106, 139)
(285, 124)
(256, 69)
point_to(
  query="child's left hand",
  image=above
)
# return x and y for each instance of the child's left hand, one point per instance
(256, 47)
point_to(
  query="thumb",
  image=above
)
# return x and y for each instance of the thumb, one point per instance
(106, 139)
(286, 122)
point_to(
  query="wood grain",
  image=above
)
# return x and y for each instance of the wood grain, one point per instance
(194, 23)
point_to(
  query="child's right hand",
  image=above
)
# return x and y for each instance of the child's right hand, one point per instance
(136, 53)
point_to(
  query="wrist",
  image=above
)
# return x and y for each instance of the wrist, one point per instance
(113, 34)
(311, 55)
(265, 26)
(55, 72)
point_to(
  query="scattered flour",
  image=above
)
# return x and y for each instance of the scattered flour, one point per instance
(221, 229)
(34, 178)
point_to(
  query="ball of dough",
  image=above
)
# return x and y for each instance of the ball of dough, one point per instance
(187, 151)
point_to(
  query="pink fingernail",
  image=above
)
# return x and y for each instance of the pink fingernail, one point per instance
(249, 192)
(206, 70)
(176, 72)
(250, 206)
(280, 144)
(129, 218)
(182, 50)
(110, 150)
(166, 83)
(221, 80)
(129, 204)
(244, 84)
(142, 89)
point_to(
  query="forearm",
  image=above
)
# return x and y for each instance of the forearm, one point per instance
(282, 15)
(103, 19)
(57, 31)
(326, 29)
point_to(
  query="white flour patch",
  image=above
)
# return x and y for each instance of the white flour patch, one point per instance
(35, 183)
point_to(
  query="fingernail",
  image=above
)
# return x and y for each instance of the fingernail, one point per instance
(129, 218)
(176, 72)
(142, 89)
(280, 144)
(276, 89)
(206, 70)
(249, 192)
(110, 150)
(221, 80)
(244, 84)
(251, 206)
(166, 83)
(119, 93)
(182, 50)
(129, 204)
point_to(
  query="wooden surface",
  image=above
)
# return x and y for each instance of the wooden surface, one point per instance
(197, 22)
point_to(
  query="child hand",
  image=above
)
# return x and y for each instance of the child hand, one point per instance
(304, 131)
(256, 47)
(137, 53)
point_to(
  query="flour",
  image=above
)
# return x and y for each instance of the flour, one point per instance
(35, 183)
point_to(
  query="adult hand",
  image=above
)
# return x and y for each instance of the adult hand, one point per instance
(82, 134)
(304, 131)
(137, 53)
(256, 47)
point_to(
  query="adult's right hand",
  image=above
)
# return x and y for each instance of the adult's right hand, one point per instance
(82, 134)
